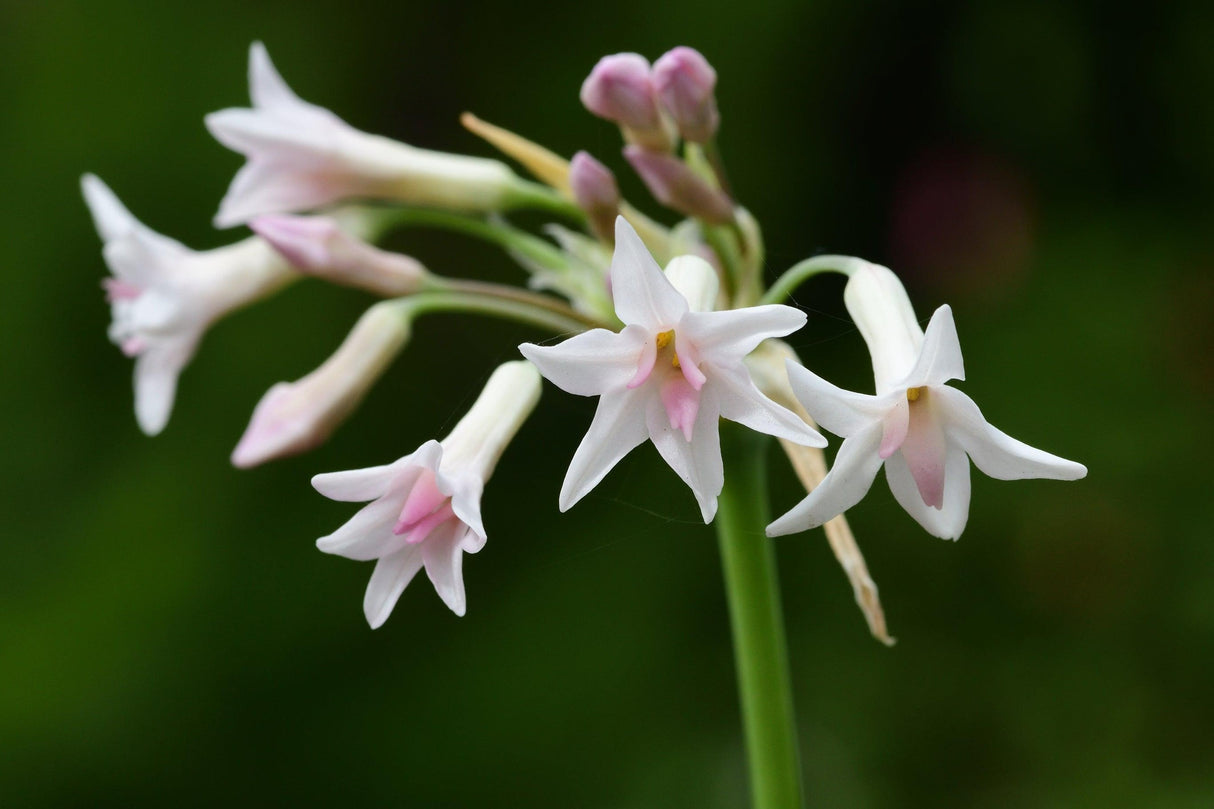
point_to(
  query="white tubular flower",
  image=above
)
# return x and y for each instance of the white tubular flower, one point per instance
(294, 417)
(918, 427)
(163, 295)
(302, 156)
(669, 375)
(426, 507)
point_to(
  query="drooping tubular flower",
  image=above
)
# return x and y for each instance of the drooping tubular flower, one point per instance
(669, 375)
(302, 156)
(918, 427)
(163, 295)
(426, 507)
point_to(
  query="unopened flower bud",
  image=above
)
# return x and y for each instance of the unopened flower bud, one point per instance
(294, 417)
(685, 83)
(696, 280)
(595, 190)
(620, 89)
(319, 246)
(676, 186)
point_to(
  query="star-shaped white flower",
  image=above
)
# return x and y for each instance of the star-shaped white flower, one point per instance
(426, 507)
(919, 428)
(669, 375)
(163, 295)
(301, 156)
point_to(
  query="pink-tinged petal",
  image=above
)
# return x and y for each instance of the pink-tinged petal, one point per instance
(685, 82)
(619, 89)
(673, 183)
(266, 86)
(156, 372)
(926, 448)
(849, 479)
(682, 403)
(940, 358)
(392, 574)
(641, 292)
(444, 556)
(265, 188)
(649, 357)
(618, 428)
(734, 333)
(948, 521)
(697, 462)
(302, 240)
(133, 346)
(424, 499)
(417, 532)
(840, 411)
(994, 452)
(112, 219)
(896, 425)
(688, 356)
(362, 485)
(368, 534)
(592, 362)
(116, 289)
(742, 402)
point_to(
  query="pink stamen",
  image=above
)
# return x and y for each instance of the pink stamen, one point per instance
(424, 499)
(897, 423)
(421, 529)
(118, 290)
(924, 450)
(682, 403)
(688, 361)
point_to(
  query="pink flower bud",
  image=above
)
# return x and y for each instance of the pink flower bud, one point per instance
(620, 89)
(685, 82)
(676, 186)
(319, 246)
(596, 192)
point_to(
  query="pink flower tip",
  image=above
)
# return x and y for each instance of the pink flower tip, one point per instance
(278, 428)
(619, 89)
(594, 186)
(686, 85)
(305, 241)
(676, 186)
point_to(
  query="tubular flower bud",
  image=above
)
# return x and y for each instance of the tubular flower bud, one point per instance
(320, 246)
(301, 156)
(620, 89)
(686, 84)
(425, 508)
(596, 192)
(293, 417)
(670, 375)
(163, 296)
(924, 432)
(676, 186)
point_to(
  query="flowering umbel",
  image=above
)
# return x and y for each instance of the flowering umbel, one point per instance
(662, 323)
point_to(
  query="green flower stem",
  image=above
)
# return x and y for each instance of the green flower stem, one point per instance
(476, 303)
(526, 194)
(758, 631)
(523, 297)
(802, 271)
(499, 233)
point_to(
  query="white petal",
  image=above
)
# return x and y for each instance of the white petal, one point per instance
(734, 333)
(266, 86)
(110, 216)
(697, 462)
(368, 534)
(592, 362)
(743, 402)
(948, 521)
(146, 258)
(361, 485)
(848, 481)
(640, 289)
(263, 188)
(156, 372)
(840, 411)
(618, 428)
(466, 503)
(309, 135)
(940, 358)
(996, 453)
(444, 557)
(392, 574)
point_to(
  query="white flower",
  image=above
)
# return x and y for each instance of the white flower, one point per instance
(302, 156)
(426, 509)
(918, 427)
(163, 295)
(669, 375)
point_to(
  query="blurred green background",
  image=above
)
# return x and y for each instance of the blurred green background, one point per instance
(170, 636)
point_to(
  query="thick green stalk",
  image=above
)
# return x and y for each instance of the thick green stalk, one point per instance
(802, 271)
(760, 650)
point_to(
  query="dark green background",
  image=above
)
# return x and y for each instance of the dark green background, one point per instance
(170, 636)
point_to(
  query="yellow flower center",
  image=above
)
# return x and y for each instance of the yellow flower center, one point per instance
(913, 394)
(664, 339)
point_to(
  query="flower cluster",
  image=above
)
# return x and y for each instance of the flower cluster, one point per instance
(671, 327)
